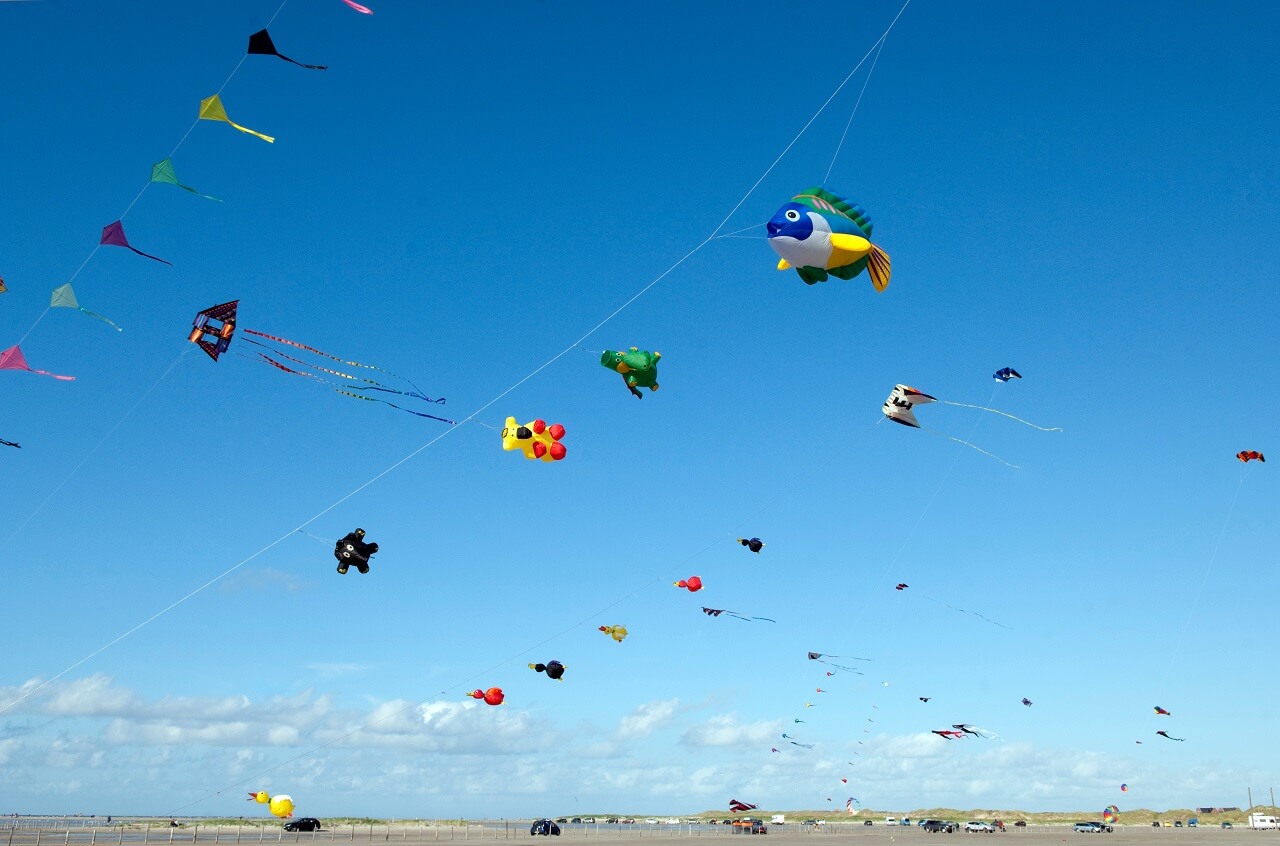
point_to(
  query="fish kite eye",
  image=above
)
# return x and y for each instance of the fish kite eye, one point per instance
(793, 215)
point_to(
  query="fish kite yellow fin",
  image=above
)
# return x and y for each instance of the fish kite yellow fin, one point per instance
(879, 268)
(783, 264)
(855, 244)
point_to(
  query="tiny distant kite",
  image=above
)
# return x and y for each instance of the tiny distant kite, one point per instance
(1026, 701)
(819, 233)
(211, 109)
(1160, 712)
(693, 584)
(844, 781)
(808, 704)
(1124, 788)
(716, 612)
(113, 236)
(3, 288)
(821, 658)
(352, 549)
(820, 690)
(280, 806)
(260, 44)
(947, 734)
(553, 669)
(924, 698)
(536, 439)
(738, 807)
(364, 10)
(64, 297)
(14, 444)
(1250, 455)
(162, 171)
(615, 632)
(492, 696)
(1110, 814)
(901, 586)
(1165, 735)
(801, 745)
(753, 544)
(13, 359)
(1004, 374)
(639, 368)
(773, 749)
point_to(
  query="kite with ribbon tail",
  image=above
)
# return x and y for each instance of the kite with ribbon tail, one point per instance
(214, 327)
(64, 297)
(821, 658)
(260, 44)
(10, 443)
(211, 109)
(900, 408)
(13, 359)
(113, 236)
(716, 612)
(162, 171)
(364, 10)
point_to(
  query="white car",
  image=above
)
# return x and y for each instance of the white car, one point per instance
(978, 825)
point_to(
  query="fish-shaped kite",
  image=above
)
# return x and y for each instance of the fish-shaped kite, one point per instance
(553, 669)
(260, 44)
(716, 612)
(820, 233)
(64, 297)
(492, 696)
(693, 584)
(1166, 735)
(13, 359)
(753, 544)
(1160, 712)
(615, 632)
(113, 235)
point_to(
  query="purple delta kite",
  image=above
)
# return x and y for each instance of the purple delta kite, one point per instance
(821, 658)
(260, 44)
(113, 235)
(13, 359)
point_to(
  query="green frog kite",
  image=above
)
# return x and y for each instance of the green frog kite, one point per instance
(639, 368)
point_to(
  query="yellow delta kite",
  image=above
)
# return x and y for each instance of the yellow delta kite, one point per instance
(211, 109)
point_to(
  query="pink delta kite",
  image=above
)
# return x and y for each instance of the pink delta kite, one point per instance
(364, 10)
(13, 359)
(113, 236)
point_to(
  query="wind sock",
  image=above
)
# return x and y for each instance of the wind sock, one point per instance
(260, 44)
(113, 235)
(211, 109)
(13, 359)
(162, 171)
(64, 297)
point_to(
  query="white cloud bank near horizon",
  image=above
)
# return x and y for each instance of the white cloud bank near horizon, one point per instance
(91, 745)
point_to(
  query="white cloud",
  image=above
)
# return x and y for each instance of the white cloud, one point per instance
(729, 730)
(647, 718)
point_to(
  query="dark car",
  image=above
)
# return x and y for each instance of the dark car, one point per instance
(867, 822)
(1020, 824)
(562, 820)
(576, 820)
(934, 826)
(1155, 823)
(303, 824)
(545, 828)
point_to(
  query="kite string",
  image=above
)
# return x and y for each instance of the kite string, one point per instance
(969, 445)
(1213, 557)
(1002, 414)
(809, 123)
(849, 123)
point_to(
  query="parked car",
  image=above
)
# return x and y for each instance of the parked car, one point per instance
(809, 822)
(628, 821)
(303, 824)
(1088, 828)
(1020, 824)
(935, 826)
(614, 821)
(1177, 823)
(867, 822)
(545, 828)
(1155, 823)
(1226, 825)
(1103, 827)
(576, 820)
(979, 825)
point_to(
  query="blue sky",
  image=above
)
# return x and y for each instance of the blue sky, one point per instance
(1085, 193)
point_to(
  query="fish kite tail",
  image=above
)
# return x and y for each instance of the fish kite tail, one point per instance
(879, 268)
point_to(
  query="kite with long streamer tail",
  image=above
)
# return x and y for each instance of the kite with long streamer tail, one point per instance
(214, 328)
(821, 658)
(260, 44)
(900, 408)
(716, 612)
(64, 297)
(14, 444)
(364, 10)
(162, 171)
(113, 236)
(211, 109)
(961, 611)
(13, 359)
